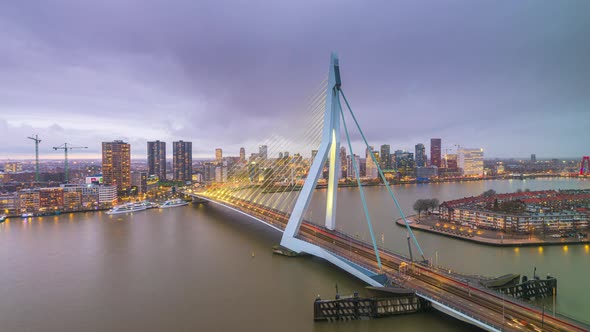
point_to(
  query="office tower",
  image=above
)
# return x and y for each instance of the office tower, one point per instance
(242, 154)
(451, 161)
(182, 161)
(533, 158)
(371, 168)
(116, 164)
(350, 166)
(157, 159)
(420, 155)
(218, 154)
(471, 161)
(385, 161)
(435, 149)
(280, 155)
(263, 152)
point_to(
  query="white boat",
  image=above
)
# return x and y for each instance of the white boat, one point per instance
(127, 208)
(173, 203)
(2, 218)
(147, 205)
(27, 215)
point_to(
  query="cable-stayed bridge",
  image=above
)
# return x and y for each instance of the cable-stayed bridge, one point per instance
(277, 192)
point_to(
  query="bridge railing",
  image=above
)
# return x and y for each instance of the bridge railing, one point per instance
(491, 324)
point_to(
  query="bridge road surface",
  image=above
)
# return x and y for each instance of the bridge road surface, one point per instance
(504, 313)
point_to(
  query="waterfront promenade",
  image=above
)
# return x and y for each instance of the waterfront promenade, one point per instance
(432, 224)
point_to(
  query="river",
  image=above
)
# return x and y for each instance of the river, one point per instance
(208, 269)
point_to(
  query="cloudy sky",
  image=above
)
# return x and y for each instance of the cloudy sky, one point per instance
(512, 77)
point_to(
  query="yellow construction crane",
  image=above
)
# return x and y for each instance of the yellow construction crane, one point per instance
(65, 147)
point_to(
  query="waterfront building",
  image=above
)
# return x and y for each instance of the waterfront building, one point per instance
(51, 199)
(157, 159)
(242, 154)
(116, 164)
(426, 172)
(263, 152)
(8, 203)
(533, 158)
(546, 211)
(435, 152)
(470, 161)
(107, 196)
(139, 180)
(182, 160)
(218, 154)
(28, 200)
(420, 155)
(385, 157)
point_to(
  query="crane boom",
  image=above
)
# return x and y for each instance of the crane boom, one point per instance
(66, 148)
(37, 141)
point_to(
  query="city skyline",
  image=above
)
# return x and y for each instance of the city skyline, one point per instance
(485, 83)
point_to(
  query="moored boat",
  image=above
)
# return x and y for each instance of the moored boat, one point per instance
(126, 208)
(173, 203)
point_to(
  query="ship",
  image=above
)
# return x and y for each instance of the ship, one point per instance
(127, 208)
(173, 203)
(27, 215)
(2, 218)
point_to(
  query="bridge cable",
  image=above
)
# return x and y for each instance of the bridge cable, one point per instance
(361, 191)
(387, 185)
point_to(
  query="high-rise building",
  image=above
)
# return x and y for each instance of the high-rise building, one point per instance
(385, 161)
(435, 152)
(218, 154)
(242, 154)
(116, 164)
(471, 161)
(350, 166)
(280, 155)
(157, 159)
(371, 167)
(533, 158)
(451, 161)
(420, 155)
(263, 152)
(182, 161)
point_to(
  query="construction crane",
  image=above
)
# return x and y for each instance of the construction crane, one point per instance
(65, 147)
(37, 141)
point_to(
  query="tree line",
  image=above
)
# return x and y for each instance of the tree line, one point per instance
(422, 205)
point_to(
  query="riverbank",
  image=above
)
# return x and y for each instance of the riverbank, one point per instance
(289, 188)
(431, 224)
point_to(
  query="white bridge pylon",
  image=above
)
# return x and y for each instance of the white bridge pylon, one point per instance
(329, 146)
